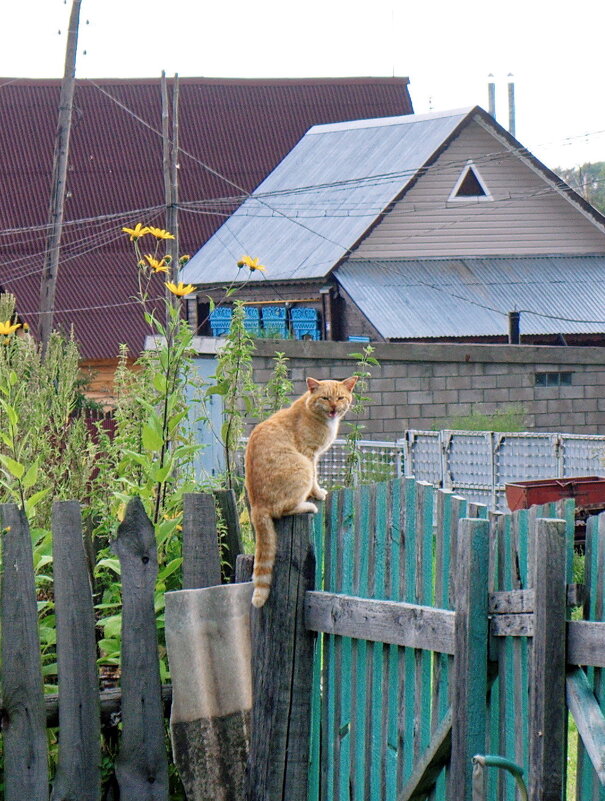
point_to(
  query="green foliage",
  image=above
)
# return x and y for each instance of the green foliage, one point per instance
(588, 180)
(509, 418)
(353, 461)
(46, 451)
(235, 383)
(279, 387)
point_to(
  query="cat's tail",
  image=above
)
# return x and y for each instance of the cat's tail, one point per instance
(264, 555)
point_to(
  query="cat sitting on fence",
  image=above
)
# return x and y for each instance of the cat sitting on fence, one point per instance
(281, 466)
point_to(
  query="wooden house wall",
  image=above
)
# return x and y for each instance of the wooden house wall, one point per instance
(526, 216)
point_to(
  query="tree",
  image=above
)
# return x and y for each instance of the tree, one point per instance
(588, 180)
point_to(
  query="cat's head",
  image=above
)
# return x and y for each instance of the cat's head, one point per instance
(330, 399)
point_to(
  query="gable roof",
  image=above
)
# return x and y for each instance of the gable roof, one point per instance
(239, 129)
(471, 297)
(335, 186)
(325, 194)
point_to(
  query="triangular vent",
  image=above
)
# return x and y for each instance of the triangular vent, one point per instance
(470, 185)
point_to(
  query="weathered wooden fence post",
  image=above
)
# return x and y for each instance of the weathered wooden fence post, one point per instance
(470, 658)
(548, 713)
(24, 717)
(201, 558)
(282, 657)
(142, 765)
(78, 774)
(208, 641)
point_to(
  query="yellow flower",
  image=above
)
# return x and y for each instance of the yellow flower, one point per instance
(156, 265)
(184, 259)
(8, 328)
(252, 264)
(138, 231)
(180, 289)
(159, 233)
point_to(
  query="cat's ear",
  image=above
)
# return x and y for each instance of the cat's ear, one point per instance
(312, 384)
(350, 382)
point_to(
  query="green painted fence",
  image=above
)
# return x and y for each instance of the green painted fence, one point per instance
(378, 708)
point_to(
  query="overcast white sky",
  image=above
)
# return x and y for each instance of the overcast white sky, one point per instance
(447, 49)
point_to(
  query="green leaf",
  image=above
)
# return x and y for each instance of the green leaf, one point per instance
(30, 478)
(160, 474)
(111, 564)
(152, 439)
(10, 413)
(16, 469)
(34, 500)
(12, 378)
(159, 382)
(170, 568)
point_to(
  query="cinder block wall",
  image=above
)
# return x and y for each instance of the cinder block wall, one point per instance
(421, 385)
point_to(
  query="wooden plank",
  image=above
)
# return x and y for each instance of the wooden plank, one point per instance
(316, 691)
(201, 556)
(244, 565)
(433, 760)
(346, 551)
(391, 622)
(23, 717)
(110, 704)
(588, 717)
(394, 588)
(512, 625)
(377, 709)
(142, 765)
(587, 781)
(282, 661)
(409, 735)
(510, 602)
(586, 643)
(423, 595)
(469, 722)
(360, 650)
(78, 773)
(232, 541)
(547, 681)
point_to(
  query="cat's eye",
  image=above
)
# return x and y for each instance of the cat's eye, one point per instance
(325, 397)
(341, 397)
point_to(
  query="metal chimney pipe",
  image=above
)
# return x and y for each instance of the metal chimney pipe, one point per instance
(511, 104)
(491, 93)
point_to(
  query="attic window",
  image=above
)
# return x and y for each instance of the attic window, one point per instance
(470, 185)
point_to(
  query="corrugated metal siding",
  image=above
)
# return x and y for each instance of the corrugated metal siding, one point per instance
(526, 215)
(322, 197)
(472, 297)
(239, 128)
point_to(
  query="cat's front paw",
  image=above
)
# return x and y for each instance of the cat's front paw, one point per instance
(319, 493)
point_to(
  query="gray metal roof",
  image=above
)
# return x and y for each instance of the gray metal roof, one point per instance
(322, 197)
(472, 296)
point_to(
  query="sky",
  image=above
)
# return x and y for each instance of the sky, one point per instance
(447, 50)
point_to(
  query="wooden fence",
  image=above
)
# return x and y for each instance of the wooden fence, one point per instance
(406, 631)
(79, 709)
(443, 633)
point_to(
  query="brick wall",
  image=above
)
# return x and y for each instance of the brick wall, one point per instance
(422, 385)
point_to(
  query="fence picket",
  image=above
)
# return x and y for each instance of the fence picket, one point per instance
(78, 774)
(588, 785)
(201, 557)
(24, 718)
(142, 765)
(470, 665)
(548, 714)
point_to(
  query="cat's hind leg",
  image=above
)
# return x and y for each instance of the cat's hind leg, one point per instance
(302, 508)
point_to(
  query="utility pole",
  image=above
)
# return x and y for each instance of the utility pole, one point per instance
(170, 141)
(57, 197)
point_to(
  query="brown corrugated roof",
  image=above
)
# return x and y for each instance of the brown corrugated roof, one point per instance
(240, 129)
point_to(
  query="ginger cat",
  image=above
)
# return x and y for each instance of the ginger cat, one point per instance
(281, 466)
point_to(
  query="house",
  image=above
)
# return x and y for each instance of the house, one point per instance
(232, 133)
(429, 227)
